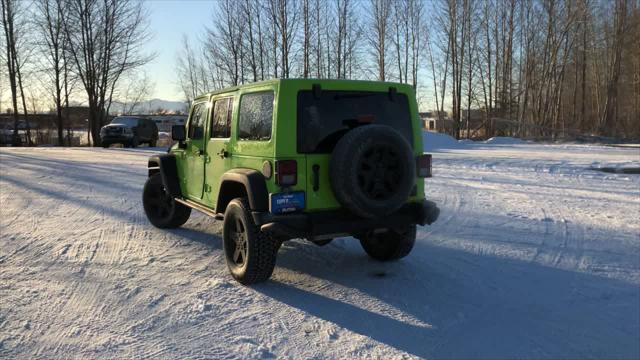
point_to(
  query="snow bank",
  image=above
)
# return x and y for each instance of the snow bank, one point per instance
(529, 247)
(436, 141)
(504, 140)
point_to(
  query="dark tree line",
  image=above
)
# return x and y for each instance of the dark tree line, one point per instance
(532, 68)
(87, 44)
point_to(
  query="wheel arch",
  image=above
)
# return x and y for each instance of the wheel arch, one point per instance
(167, 167)
(243, 183)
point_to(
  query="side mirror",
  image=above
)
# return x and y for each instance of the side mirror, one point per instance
(178, 133)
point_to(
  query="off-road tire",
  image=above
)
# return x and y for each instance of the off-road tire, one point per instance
(372, 171)
(154, 196)
(391, 245)
(260, 248)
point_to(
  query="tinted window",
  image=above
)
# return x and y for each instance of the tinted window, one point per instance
(256, 115)
(127, 121)
(324, 120)
(197, 120)
(221, 123)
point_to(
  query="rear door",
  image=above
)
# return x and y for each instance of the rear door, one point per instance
(218, 147)
(323, 120)
(143, 130)
(195, 150)
(149, 129)
(154, 130)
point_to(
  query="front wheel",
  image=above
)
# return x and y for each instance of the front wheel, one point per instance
(161, 209)
(249, 252)
(389, 245)
(134, 142)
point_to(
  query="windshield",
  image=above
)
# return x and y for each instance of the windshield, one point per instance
(131, 122)
(323, 120)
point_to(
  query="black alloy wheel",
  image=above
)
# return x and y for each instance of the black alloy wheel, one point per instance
(379, 172)
(237, 240)
(160, 207)
(250, 253)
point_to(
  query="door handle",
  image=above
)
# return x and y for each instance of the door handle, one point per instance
(223, 153)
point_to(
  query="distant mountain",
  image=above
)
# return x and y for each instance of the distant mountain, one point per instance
(150, 106)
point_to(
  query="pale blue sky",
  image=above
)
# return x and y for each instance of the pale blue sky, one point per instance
(168, 21)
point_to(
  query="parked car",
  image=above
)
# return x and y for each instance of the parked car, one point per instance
(297, 158)
(129, 131)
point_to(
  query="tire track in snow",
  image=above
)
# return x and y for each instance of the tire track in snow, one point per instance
(151, 293)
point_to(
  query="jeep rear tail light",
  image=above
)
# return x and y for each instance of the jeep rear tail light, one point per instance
(286, 172)
(423, 165)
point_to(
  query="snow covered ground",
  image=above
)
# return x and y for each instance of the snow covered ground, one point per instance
(534, 256)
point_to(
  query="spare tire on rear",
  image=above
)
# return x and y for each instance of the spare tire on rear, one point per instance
(372, 170)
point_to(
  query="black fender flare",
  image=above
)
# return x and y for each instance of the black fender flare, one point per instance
(254, 186)
(167, 167)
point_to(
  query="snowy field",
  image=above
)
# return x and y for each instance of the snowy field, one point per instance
(535, 256)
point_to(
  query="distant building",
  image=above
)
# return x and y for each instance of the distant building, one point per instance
(78, 116)
(431, 121)
(165, 122)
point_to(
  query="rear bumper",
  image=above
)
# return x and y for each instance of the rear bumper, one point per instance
(340, 223)
(116, 138)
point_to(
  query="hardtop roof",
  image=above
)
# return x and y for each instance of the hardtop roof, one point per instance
(292, 81)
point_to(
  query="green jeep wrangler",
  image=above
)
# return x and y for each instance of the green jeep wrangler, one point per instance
(297, 158)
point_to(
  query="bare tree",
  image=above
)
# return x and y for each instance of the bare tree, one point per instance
(415, 28)
(13, 27)
(379, 20)
(455, 25)
(306, 46)
(609, 120)
(8, 21)
(224, 41)
(320, 26)
(532, 67)
(199, 71)
(53, 42)
(284, 15)
(105, 41)
(135, 91)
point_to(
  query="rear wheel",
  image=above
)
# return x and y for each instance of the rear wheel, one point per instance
(161, 209)
(389, 245)
(249, 252)
(153, 143)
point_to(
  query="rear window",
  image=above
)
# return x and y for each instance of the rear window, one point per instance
(324, 120)
(131, 122)
(255, 116)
